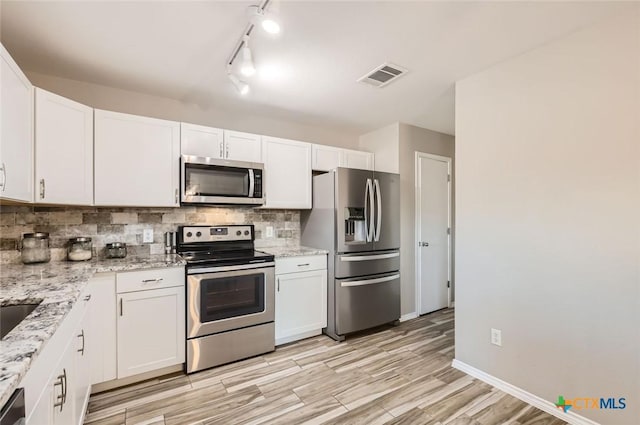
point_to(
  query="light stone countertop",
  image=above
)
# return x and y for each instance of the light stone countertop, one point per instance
(57, 287)
(292, 251)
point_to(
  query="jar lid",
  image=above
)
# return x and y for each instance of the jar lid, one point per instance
(38, 235)
(80, 239)
(114, 245)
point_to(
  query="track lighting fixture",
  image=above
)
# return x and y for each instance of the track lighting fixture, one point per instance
(258, 16)
(246, 66)
(241, 86)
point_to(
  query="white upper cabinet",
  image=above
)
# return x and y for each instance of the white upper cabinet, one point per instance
(199, 140)
(16, 131)
(287, 173)
(325, 158)
(357, 159)
(242, 146)
(216, 143)
(64, 150)
(136, 160)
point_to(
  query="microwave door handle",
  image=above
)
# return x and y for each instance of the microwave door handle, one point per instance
(251, 183)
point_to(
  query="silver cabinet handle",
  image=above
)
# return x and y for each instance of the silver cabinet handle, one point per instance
(157, 280)
(81, 350)
(369, 281)
(370, 257)
(378, 196)
(60, 398)
(87, 298)
(303, 265)
(42, 189)
(176, 196)
(121, 311)
(423, 244)
(278, 280)
(226, 145)
(4, 177)
(221, 152)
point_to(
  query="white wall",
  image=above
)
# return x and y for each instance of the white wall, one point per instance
(384, 143)
(109, 98)
(548, 218)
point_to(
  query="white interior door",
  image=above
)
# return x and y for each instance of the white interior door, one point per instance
(433, 218)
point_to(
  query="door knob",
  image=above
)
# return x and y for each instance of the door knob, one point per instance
(423, 244)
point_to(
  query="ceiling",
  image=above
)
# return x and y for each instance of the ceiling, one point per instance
(179, 50)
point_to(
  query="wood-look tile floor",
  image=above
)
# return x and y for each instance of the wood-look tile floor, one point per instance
(396, 375)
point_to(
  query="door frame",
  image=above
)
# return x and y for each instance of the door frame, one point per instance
(418, 224)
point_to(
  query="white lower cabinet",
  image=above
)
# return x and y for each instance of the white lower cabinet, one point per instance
(151, 325)
(101, 339)
(55, 389)
(301, 297)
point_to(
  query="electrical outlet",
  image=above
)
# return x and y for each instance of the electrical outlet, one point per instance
(269, 231)
(147, 236)
(496, 337)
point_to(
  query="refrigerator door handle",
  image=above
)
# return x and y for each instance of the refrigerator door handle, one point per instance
(369, 257)
(368, 212)
(378, 196)
(369, 281)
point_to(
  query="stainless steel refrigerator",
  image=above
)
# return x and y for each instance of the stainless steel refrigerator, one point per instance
(356, 217)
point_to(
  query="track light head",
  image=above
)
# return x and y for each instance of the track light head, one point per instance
(246, 66)
(267, 21)
(242, 87)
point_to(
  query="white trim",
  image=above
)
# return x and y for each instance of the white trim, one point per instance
(408, 316)
(417, 197)
(523, 395)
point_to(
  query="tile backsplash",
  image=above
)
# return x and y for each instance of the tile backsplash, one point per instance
(106, 225)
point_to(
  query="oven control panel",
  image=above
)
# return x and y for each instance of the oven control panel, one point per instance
(191, 234)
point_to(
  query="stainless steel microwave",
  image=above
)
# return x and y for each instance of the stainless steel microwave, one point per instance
(219, 181)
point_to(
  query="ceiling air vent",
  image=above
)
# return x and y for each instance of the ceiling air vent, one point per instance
(383, 75)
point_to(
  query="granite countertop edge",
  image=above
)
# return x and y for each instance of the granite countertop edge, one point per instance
(292, 251)
(56, 286)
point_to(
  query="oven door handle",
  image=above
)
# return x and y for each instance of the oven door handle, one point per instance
(252, 180)
(193, 271)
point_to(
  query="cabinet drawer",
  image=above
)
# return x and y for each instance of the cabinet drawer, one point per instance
(301, 264)
(149, 279)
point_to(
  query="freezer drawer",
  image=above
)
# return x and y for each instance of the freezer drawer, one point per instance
(362, 303)
(366, 263)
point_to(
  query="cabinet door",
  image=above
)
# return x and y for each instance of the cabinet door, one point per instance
(136, 160)
(199, 140)
(357, 159)
(301, 304)
(242, 146)
(287, 173)
(83, 356)
(151, 330)
(64, 150)
(16, 131)
(325, 158)
(63, 387)
(101, 337)
(42, 412)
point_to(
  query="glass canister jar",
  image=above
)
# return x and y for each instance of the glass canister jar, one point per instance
(79, 249)
(116, 250)
(35, 248)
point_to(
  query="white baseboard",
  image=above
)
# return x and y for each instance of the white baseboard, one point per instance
(523, 395)
(408, 316)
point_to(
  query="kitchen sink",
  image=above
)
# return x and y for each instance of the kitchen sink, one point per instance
(12, 315)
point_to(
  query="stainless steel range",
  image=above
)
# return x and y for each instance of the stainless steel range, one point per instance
(230, 295)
